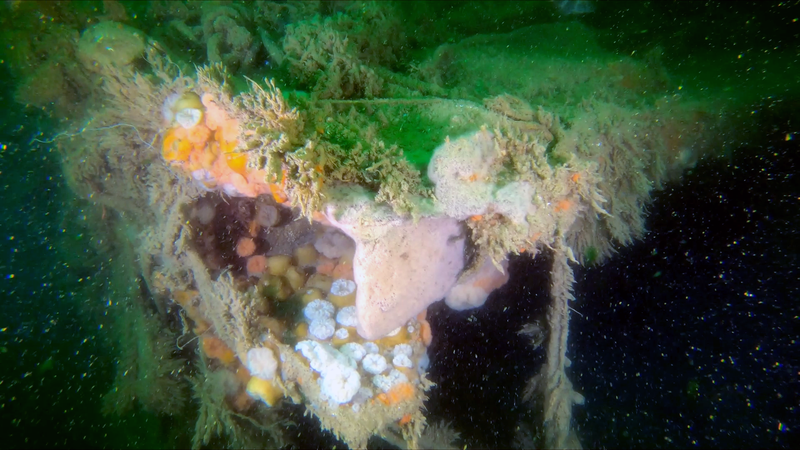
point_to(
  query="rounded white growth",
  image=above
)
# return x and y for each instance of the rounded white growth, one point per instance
(461, 169)
(321, 355)
(347, 317)
(387, 382)
(339, 379)
(319, 309)
(402, 349)
(267, 215)
(166, 107)
(261, 363)
(108, 44)
(342, 292)
(374, 363)
(354, 350)
(334, 244)
(340, 384)
(188, 117)
(205, 213)
(473, 291)
(342, 333)
(322, 328)
(371, 347)
(342, 287)
(402, 360)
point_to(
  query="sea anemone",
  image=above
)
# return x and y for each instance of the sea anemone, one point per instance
(175, 148)
(184, 109)
(256, 265)
(245, 247)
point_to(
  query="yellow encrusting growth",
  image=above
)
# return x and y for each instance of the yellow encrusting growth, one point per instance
(264, 390)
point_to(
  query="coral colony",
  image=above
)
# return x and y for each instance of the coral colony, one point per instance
(292, 241)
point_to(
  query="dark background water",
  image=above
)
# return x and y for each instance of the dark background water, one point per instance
(688, 338)
(685, 339)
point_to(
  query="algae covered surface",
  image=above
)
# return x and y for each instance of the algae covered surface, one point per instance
(368, 224)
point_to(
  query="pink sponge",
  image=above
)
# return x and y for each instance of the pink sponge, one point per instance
(473, 291)
(400, 267)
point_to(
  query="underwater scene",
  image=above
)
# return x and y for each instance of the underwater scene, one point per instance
(433, 225)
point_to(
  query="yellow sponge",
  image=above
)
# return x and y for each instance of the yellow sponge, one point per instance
(264, 390)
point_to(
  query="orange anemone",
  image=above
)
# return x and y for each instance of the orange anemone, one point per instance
(174, 148)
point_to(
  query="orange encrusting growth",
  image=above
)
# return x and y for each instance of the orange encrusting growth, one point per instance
(397, 394)
(563, 205)
(213, 347)
(208, 152)
(425, 332)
